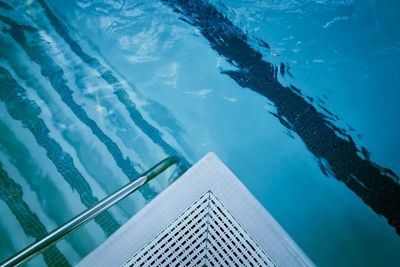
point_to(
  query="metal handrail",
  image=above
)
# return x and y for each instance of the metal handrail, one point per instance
(88, 214)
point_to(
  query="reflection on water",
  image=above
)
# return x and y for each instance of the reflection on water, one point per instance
(376, 185)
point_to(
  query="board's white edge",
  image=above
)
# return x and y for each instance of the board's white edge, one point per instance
(207, 174)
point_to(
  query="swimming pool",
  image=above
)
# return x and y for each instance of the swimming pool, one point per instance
(94, 93)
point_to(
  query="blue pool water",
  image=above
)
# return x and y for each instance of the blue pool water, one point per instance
(299, 98)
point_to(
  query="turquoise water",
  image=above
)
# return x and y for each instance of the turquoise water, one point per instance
(95, 92)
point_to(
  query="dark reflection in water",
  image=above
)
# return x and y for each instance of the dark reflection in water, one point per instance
(333, 147)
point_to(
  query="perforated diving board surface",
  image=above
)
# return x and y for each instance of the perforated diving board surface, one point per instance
(205, 218)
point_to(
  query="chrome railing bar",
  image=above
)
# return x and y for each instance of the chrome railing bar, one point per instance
(89, 214)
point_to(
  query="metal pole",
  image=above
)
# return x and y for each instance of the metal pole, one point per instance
(89, 214)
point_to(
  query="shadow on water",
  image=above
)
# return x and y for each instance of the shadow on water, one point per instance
(374, 184)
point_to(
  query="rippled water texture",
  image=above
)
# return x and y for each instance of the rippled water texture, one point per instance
(299, 98)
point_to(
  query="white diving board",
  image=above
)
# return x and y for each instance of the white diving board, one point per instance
(205, 218)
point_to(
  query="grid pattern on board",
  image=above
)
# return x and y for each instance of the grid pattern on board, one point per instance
(206, 234)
